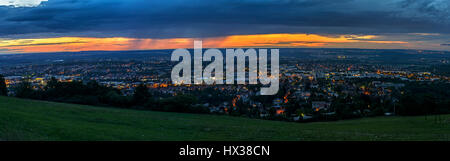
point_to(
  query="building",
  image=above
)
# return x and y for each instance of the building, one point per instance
(320, 105)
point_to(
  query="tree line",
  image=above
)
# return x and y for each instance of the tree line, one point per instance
(416, 98)
(92, 93)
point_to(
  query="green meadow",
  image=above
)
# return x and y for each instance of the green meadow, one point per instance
(22, 119)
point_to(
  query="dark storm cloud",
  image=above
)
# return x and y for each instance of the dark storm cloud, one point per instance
(206, 18)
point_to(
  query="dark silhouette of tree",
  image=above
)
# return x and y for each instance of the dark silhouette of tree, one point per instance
(141, 94)
(3, 88)
(181, 103)
(52, 83)
(24, 90)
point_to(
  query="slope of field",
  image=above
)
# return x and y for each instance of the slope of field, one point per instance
(38, 120)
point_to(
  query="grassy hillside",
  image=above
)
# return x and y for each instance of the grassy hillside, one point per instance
(37, 120)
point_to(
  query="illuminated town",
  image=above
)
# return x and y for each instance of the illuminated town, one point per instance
(308, 84)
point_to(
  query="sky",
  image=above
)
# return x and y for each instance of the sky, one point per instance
(29, 26)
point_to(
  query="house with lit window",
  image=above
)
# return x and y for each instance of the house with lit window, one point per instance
(320, 105)
(277, 105)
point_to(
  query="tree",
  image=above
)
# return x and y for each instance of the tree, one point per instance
(181, 103)
(52, 83)
(115, 99)
(3, 88)
(141, 94)
(24, 90)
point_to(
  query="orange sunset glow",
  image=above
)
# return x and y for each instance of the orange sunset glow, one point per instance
(75, 44)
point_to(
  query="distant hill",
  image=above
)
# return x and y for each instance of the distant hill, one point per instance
(38, 120)
(389, 56)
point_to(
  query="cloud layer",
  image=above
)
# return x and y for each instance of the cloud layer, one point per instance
(205, 18)
(166, 19)
(21, 3)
